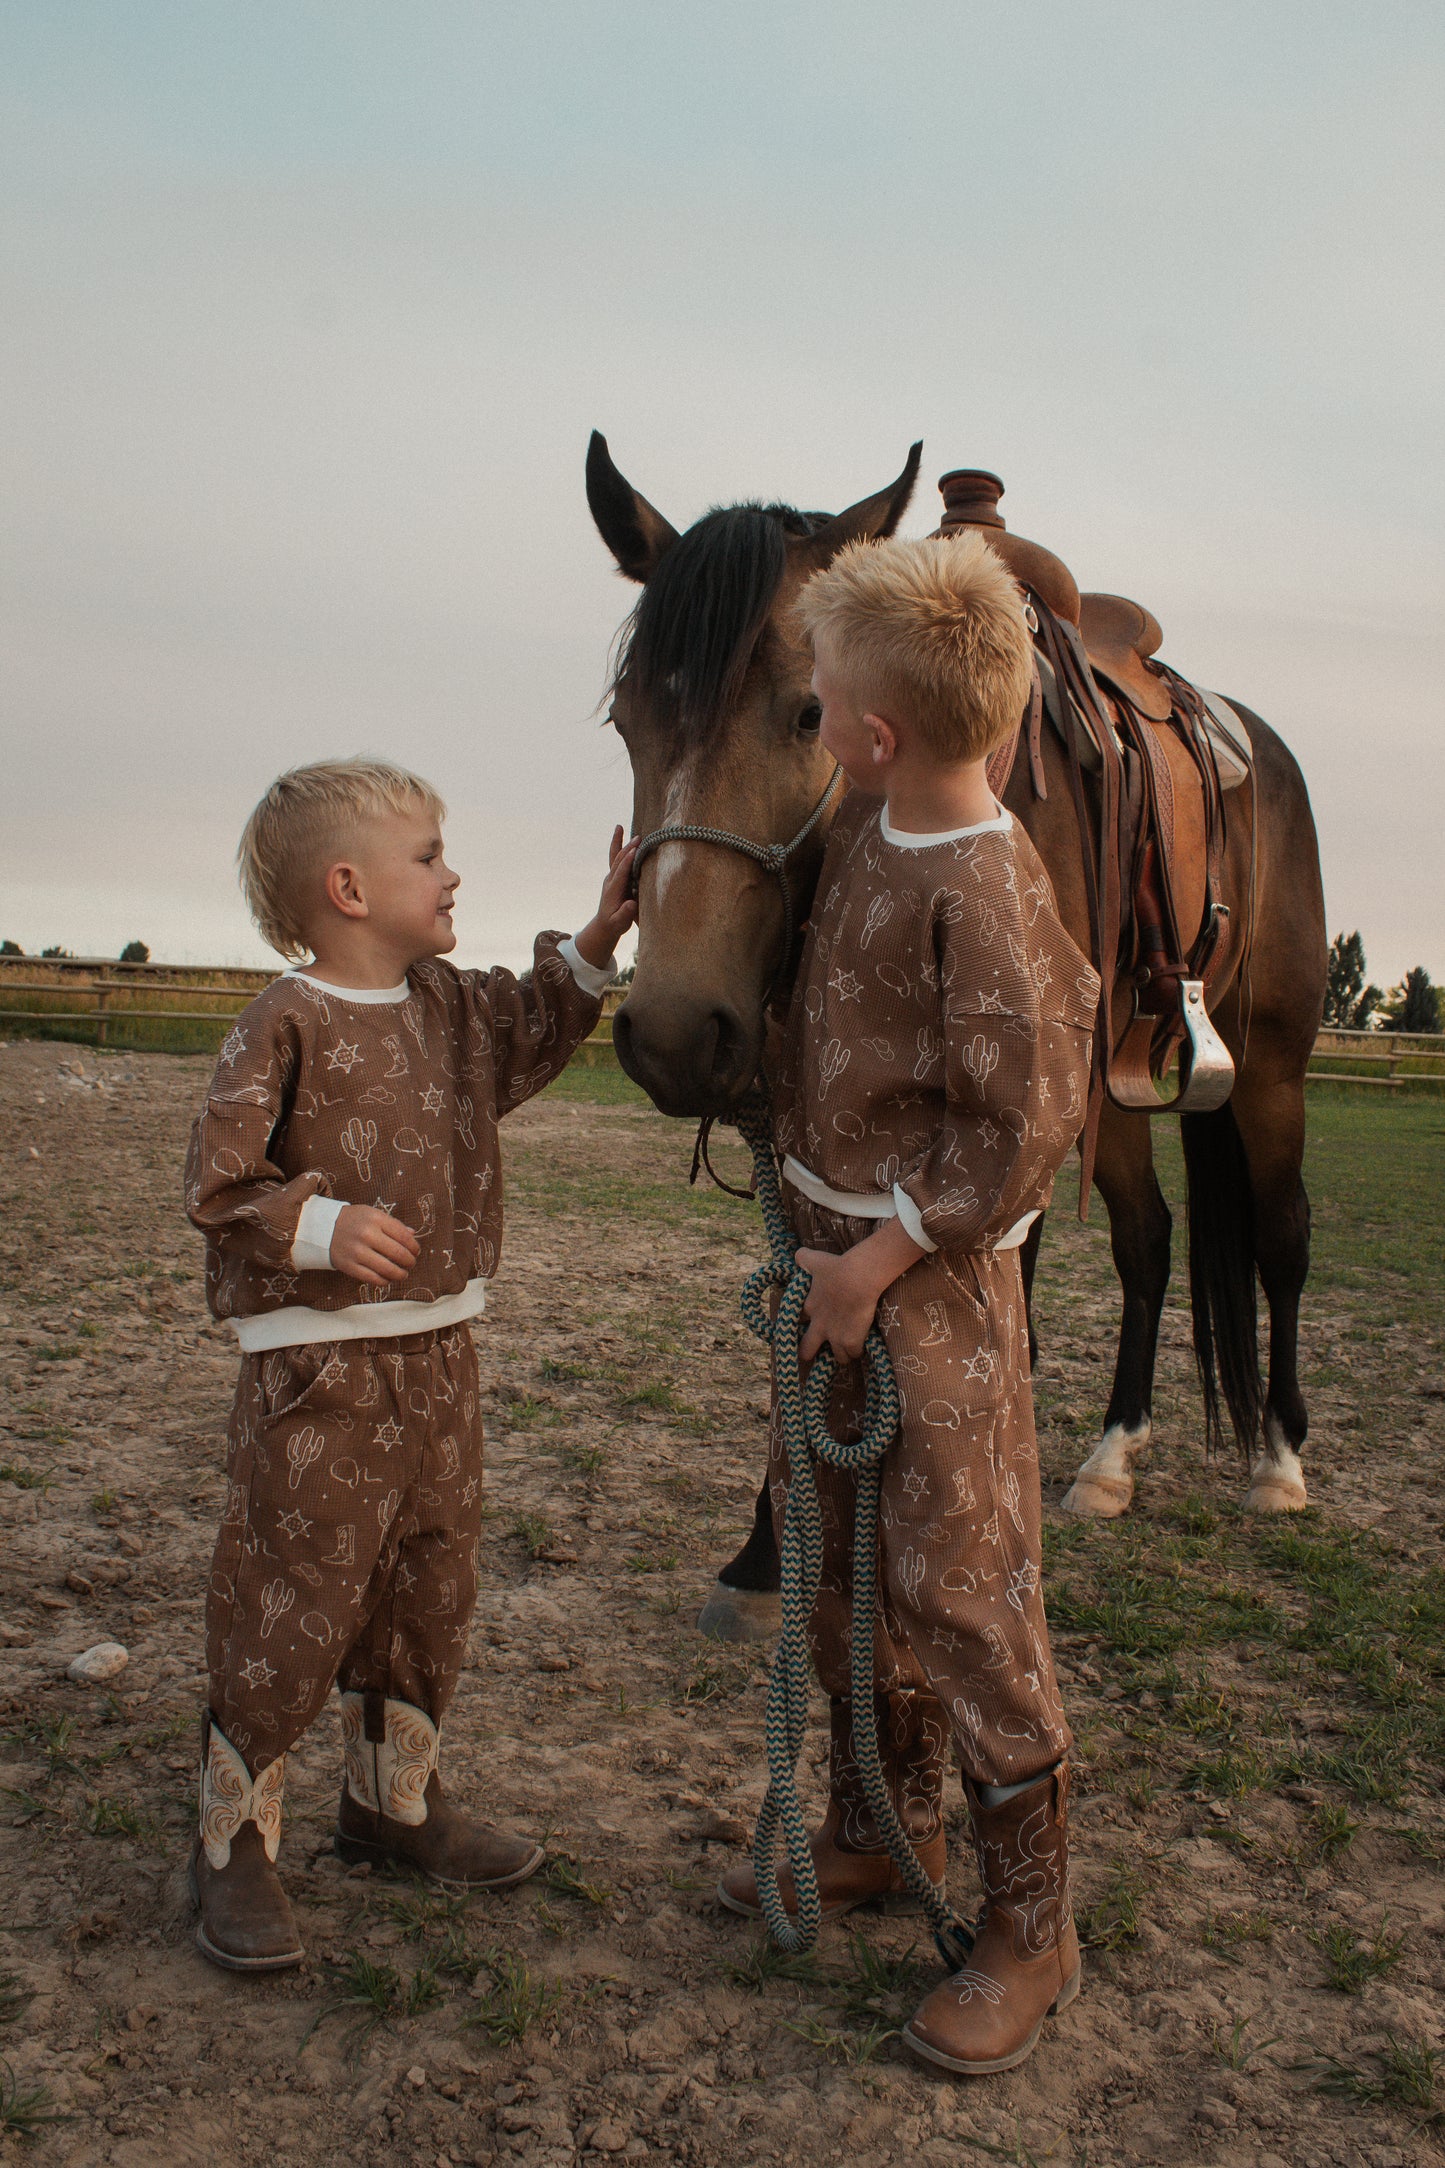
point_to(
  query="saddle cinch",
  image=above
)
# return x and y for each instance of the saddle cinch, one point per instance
(1164, 755)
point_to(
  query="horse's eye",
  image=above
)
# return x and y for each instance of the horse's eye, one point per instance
(810, 718)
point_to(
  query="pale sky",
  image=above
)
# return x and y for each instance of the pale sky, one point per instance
(308, 311)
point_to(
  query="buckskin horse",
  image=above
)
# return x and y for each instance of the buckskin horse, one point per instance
(733, 795)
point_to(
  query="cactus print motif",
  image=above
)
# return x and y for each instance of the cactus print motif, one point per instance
(393, 1104)
(962, 1616)
(943, 1006)
(939, 1039)
(351, 1555)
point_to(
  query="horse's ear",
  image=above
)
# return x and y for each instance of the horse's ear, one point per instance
(870, 519)
(636, 534)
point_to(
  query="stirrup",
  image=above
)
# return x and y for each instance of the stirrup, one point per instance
(1206, 1067)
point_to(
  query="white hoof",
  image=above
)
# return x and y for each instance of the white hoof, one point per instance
(1276, 1479)
(1098, 1498)
(1104, 1486)
(740, 1614)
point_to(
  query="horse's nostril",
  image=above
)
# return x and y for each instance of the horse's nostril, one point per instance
(728, 1048)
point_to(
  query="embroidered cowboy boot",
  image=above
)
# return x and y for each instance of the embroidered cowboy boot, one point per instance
(853, 1864)
(1025, 1963)
(394, 1812)
(245, 1923)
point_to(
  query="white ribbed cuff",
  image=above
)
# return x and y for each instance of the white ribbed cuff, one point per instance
(311, 1251)
(592, 978)
(911, 1219)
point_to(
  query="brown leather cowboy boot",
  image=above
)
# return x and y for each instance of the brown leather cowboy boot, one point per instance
(1025, 1963)
(245, 1923)
(394, 1813)
(853, 1864)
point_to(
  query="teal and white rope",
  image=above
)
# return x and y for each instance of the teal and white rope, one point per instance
(803, 1414)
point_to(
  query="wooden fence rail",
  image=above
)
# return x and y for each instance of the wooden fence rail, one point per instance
(153, 995)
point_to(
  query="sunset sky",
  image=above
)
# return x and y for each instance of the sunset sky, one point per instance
(309, 311)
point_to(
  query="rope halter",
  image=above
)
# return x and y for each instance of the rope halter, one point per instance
(772, 857)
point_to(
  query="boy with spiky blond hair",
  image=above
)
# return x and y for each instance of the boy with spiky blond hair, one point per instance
(345, 1173)
(933, 1076)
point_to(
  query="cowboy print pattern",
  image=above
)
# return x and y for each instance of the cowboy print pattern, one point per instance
(939, 1033)
(939, 1042)
(962, 1621)
(392, 1104)
(347, 1549)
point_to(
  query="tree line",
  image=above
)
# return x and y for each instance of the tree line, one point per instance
(1353, 1003)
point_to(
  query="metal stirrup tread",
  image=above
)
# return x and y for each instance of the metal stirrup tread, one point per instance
(803, 1412)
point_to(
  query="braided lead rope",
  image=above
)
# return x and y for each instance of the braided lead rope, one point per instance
(803, 1413)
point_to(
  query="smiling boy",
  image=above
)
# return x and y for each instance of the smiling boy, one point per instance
(345, 1172)
(932, 1079)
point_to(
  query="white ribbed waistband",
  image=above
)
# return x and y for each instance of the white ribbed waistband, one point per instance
(855, 1204)
(301, 1327)
(881, 1205)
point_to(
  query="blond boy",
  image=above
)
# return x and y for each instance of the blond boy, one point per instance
(933, 1078)
(345, 1172)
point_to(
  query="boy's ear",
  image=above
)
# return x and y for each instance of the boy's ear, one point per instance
(872, 519)
(885, 738)
(342, 889)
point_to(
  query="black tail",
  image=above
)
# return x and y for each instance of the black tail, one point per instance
(1220, 1206)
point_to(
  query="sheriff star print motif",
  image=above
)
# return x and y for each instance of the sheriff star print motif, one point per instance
(939, 1038)
(390, 1103)
(377, 1591)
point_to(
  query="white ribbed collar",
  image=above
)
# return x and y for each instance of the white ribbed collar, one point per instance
(905, 840)
(372, 994)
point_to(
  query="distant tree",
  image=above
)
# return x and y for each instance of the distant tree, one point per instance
(1349, 1002)
(1414, 1005)
(135, 952)
(11, 948)
(57, 951)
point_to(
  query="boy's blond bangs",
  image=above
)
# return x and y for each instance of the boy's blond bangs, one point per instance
(931, 631)
(305, 817)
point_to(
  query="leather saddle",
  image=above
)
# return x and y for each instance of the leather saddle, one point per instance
(1160, 755)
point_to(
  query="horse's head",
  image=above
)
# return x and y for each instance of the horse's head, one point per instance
(713, 700)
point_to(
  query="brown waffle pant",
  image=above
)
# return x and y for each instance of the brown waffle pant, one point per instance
(959, 1540)
(347, 1551)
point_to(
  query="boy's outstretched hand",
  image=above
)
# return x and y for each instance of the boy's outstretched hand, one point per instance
(616, 911)
(371, 1246)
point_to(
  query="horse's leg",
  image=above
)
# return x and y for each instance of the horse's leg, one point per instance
(1270, 1111)
(745, 1604)
(1139, 1231)
(1028, 1266)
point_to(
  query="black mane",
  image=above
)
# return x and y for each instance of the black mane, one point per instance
(687, 645)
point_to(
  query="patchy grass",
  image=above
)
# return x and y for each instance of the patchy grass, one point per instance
(514, 1999)
(535, 1532)
(107, 1817)
(25, 2109)
(1350, 1964)
(564, 1874)
(1112, 1922)
(373, 1995)
(1404, 2074)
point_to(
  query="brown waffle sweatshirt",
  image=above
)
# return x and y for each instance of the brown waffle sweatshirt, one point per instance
(936, 1057)
(324, 1097)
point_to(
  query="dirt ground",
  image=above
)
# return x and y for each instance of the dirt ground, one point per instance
(1260, 1833)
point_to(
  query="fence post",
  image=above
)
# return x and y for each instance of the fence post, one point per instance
(102, 997)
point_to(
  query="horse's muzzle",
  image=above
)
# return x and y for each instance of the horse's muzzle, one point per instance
(690, 1058)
